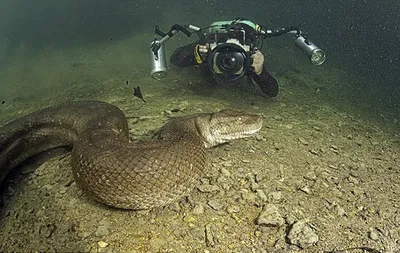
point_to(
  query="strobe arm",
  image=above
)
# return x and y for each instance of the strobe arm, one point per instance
(172, 31)
(280, 31)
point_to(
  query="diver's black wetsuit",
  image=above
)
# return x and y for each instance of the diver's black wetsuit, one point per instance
(184, 57)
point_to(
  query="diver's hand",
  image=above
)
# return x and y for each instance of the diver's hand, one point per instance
(203, 51)
(258, 62)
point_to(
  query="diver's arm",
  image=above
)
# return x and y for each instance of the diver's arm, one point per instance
(184, 56)
(266, 82)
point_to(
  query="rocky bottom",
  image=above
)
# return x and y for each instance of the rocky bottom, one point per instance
(324, 182)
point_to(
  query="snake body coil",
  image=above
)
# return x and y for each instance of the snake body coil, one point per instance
(108, 167)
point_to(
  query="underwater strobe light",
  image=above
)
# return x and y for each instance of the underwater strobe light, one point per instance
(316, 55)
(158, 60)
(157, 48)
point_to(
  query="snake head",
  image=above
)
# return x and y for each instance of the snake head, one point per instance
(226, 125)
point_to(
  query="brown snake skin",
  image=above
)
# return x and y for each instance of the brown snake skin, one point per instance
(110, 168)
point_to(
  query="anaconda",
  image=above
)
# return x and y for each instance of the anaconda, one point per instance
(107, 165)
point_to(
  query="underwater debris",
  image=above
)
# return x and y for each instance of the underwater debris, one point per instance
(138, 93)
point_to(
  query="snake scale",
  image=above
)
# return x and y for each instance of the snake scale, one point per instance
(113, 170)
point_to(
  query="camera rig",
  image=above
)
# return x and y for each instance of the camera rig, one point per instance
(229, 58)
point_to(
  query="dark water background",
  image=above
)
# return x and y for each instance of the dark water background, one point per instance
(362, 36)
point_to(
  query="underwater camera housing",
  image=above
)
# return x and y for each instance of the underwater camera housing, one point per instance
(231, 49)
(228, 61)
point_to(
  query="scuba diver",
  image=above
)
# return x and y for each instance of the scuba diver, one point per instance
(230, 50)
(197, 53)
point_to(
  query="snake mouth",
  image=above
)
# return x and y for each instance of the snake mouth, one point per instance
(253, 131)
(241, 132)
(228, 131)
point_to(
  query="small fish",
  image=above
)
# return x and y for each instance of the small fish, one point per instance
(138, 93)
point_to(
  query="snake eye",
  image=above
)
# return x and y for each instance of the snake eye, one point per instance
(239, 119)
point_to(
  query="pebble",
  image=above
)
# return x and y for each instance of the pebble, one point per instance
(310, 176)
(254, 186)
(396, 219)
(189, 219)
(102, 244)
(58, 195)
(86, 248)
(198, 209)
(290, 219)
(221, 180)
(305, 189)
(183, 105)
(198, 233)
(47, 230)
(247, 250)
(47, 187)
(233, 209)
(225, 172)
(339, 210)
(353, 180)
(336, 192)
(260, 138)
(190, 200)
(373, 235)
(84, 235)
(214, 204)
(208, 188)
(227, 148)
(302, 235)
(209, 236)
(63, 190)
(156, 243)
(227, 163)
(134, 120)
(332, 166)
(249, 197)
(261, 195)
(334, 147)
(270, 216)
(276, 196)
(258, 178)
(205, 180)
(146, 117)
(40, 171)
(374, 143)
(334, 150)
(303, 141)
(167, 112)
(175, 207)
(225, 186)
(102, 230)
